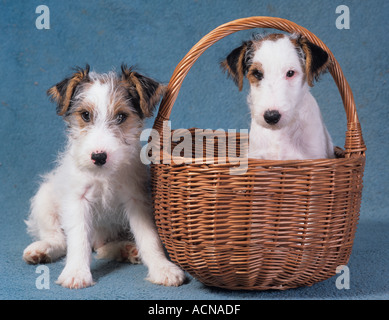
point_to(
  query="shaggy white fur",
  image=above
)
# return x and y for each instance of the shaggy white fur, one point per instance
(97, 196)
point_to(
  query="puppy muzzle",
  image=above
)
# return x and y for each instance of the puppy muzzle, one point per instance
(272, 116)
(99, 158)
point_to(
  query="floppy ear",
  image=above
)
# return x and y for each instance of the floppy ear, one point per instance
(316, 60)
(236, 63)
(145, 91)
(63, 91)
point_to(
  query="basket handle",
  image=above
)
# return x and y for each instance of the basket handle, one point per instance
(354, 144)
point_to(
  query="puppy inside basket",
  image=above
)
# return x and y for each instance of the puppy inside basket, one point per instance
(286, 122)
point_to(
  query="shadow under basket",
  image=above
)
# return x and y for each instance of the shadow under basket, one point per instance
(273, 225)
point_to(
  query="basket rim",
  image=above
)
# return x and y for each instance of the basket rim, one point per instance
(230, 161)
(268, 163)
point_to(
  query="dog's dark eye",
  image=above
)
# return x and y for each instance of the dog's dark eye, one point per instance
(290, 74)
(85, 116)
(258, 74)
(120, 118)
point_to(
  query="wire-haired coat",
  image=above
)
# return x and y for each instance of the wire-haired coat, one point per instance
(97, 197)
(286, 123)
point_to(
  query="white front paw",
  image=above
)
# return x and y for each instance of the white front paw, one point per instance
(75, 279)
(37, 252)
(167, 274)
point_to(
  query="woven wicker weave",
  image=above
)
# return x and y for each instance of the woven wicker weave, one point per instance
(281, 224)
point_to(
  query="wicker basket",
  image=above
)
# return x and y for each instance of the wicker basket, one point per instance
(280, 225)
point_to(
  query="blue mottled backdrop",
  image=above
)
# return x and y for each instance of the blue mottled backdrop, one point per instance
(154, 36)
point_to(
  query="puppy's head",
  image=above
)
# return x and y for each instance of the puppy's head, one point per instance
(279, 69)
(105, 114)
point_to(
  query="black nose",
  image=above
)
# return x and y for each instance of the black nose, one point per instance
(272, 116)
(99, 158)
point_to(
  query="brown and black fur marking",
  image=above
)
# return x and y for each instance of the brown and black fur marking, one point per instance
(316, 59)
(144, 92)
(236, 63)
(63, 91)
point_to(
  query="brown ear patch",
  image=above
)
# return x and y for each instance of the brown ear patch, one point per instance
(145, 92)
(63, 91)
(236, 63)
(316, 59)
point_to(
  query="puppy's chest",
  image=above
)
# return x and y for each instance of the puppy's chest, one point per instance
(104, 196)
(269, 144)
